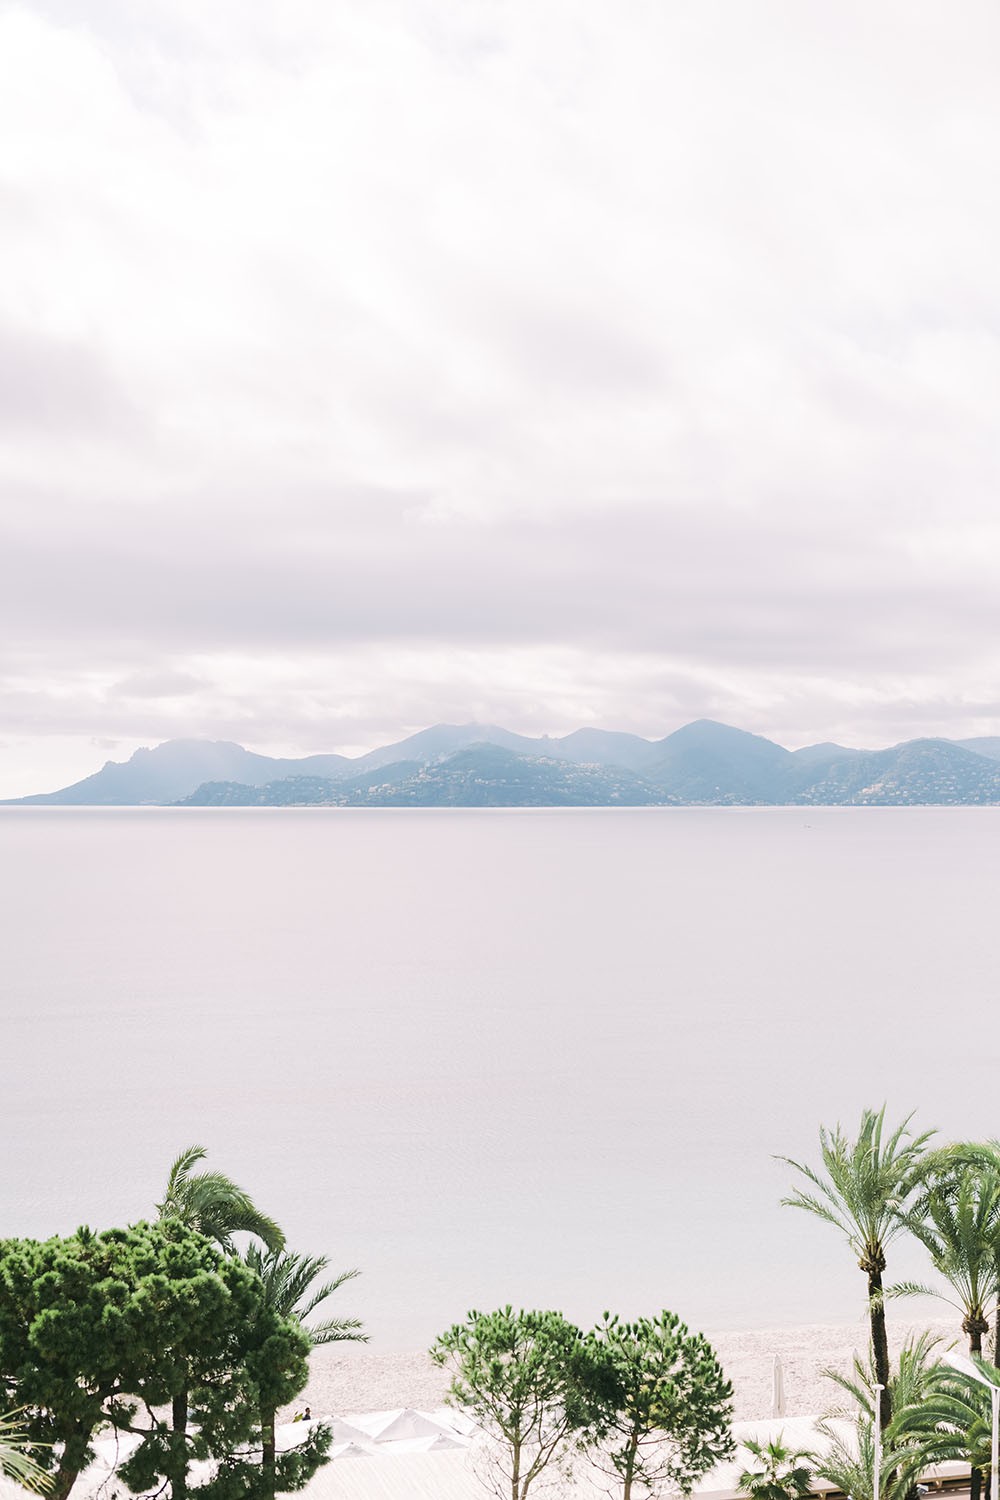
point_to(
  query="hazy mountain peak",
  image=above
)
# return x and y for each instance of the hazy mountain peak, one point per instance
(702, 762)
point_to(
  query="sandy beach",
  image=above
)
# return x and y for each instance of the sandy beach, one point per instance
(340, 1384)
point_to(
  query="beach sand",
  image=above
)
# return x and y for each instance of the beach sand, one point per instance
(358, 1382)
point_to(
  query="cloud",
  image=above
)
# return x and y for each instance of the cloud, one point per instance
(557, 361)
(157, 685)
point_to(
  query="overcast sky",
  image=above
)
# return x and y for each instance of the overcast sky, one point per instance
(541, 362)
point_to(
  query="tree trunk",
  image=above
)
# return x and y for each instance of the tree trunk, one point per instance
(267, 1451)
(975, 1325)
(975, 1484)
(62, 1482)
(629, 1475)
(880, 1343)
(75, 1444)
(178, 1446)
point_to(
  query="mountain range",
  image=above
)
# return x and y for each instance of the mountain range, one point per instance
(474, 765)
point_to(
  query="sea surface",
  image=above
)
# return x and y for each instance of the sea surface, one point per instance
(538, 1057)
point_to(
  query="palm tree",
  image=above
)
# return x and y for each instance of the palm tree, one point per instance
(288, 1290)
(952, 1423)
(16, 1461)
(783, 1475)
(850, 1466)
(914, 1375)
(866, 1188)
(212, 1204)
(985, 1158)
(957, 1220)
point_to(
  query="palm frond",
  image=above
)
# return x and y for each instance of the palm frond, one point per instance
(338, 1331)
(288, 1288)
(866, 1183)
(211, 1203)
(853, 1470)
(913, 1376)
(16, 1459)
(908, 1289)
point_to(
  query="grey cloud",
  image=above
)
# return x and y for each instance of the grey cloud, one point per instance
(766, 588)
(668, 353)
(61, 388)
(158, 684)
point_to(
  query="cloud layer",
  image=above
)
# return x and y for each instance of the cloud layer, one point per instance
(367, 366)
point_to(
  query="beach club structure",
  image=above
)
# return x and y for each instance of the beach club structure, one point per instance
(438, 1455)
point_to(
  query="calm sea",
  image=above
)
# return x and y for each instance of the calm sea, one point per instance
(543, 1057)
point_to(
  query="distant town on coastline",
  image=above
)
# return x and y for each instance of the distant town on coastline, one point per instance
(475, 765)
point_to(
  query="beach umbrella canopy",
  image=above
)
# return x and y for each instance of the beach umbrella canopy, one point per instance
(392, 1426)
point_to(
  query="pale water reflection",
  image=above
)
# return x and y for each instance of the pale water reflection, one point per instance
(488, 1056)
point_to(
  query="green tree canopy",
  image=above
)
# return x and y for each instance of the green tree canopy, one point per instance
(94, 1325)
(288, 1286)
(665, 1405)
(521, 1378)
(952, 1422)
(781, 1473)
(957, 1220)
(211, 1203)
(850, 1466)
(864, 1189)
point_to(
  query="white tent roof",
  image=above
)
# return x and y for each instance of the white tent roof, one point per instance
(292, 1434)
(441, 1442)
(453, 1420)
(404, 1422)
(350, 1450)
(413, 1461)
(347, 1432)
(411, 1476)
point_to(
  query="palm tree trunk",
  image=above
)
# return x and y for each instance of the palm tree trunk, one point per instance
(880, 1343)
(975, 1484)
(974, 1325)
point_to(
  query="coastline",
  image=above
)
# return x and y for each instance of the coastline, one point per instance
(340, 1384)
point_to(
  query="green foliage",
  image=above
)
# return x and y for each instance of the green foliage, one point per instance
(522, 1378)
(16, 1461)
(867, 1183)
(850, 1466)
(952, 1421)
(287, 1285)
(957, 1220)
(288, 1288)
(913, 1377)
(664, 1405)
(864, 1191)
(95, 1325)
(212, 1204)
(784, 1473)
